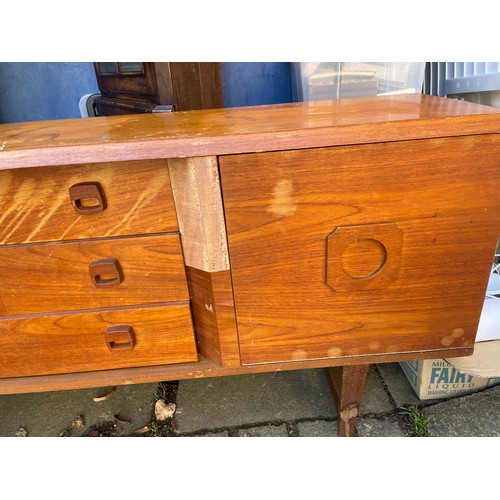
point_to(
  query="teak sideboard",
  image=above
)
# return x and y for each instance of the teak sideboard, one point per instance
(331, 234)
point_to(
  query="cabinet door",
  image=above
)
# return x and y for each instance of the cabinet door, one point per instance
(145, 87)
(132, 79)
(361, 250)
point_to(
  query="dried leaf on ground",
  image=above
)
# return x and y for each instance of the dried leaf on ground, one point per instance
(78, 422)
(164, 411)
(144, 429)
(106, 397)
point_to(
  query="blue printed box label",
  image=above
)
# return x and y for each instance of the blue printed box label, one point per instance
(436, 378)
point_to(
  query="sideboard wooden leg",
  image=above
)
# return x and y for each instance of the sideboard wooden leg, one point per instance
(347, 384)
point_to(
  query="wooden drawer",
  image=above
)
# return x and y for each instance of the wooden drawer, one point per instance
(361, 250)
(36, 203)
(51, 277)
(70, 343)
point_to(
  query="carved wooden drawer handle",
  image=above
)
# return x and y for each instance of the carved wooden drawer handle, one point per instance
(106, 272)
(120, 338)
(87, 198)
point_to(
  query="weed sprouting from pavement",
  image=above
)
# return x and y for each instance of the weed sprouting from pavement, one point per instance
(416, 421)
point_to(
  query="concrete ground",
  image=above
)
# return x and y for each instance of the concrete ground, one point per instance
(281, 404)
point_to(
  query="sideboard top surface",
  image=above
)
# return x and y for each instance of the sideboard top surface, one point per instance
(241, 130)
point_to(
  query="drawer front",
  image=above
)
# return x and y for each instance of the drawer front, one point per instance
(85, 201)
(361, 250)
(96, 341)
(91, 274)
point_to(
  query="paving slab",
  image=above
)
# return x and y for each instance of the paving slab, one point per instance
(52, 414)
(379, 427)
(318, 428)
(236, 401)
(215, 434)
(398, 386)
(264, 431)
(259, 404)
(475, 415)
(375, 398)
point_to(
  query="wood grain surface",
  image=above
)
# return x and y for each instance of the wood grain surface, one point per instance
(241, 130)
(203, 368)
(214, 316)
(374, 161)
(75, 342)
(195, 85)
(41, 278)
(282, 206)
(198, 203)
(347, 385)
(36, 205)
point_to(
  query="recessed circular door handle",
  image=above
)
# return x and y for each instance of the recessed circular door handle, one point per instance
(120, 338)
(87, 198)
(106, 272)
(363, 257)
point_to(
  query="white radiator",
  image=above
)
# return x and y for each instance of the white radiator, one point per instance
(444, 78)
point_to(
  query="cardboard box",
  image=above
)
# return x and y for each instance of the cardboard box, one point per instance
(437, 379)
